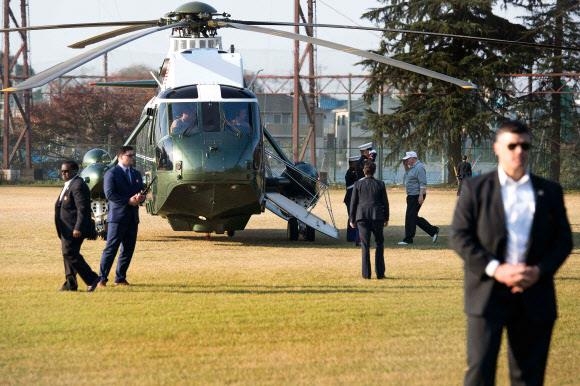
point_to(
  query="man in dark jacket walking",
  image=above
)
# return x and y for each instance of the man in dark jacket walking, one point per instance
(72, 218)
(463, 172)
(369, 213)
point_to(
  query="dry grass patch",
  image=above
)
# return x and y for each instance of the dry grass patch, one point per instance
(252, 309)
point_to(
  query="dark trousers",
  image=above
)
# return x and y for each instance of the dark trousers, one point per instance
(459, 183)
(412, 220)
(528, 346)
(75, 263)
(125, 236)
(365, 228)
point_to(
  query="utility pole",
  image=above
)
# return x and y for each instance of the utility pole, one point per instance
(309, 101)
(20, 104)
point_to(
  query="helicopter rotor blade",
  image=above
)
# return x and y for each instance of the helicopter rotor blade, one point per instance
(58, 70)
(82, 25)
(406, 31)
(108, 35)
(355, 51)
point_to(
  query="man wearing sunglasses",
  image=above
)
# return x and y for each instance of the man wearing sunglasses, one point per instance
(72, 217)
(511, 229)
(123, 185)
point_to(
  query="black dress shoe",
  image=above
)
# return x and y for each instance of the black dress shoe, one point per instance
(67, 287)
(122, 283)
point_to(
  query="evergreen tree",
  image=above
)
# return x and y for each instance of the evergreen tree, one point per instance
(434, 115)
(551, 110)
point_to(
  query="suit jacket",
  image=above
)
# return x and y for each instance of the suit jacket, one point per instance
(479, 235)
(118, 191)
(464, 169)
(74, 210)
(369, 201)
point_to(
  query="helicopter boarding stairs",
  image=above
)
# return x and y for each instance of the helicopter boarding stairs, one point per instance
(298, 202)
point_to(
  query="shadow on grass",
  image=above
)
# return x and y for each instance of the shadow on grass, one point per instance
(278, 237)
(369, 286)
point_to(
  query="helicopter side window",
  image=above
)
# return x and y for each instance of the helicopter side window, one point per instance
(161, 126)
(210, 116)
(164, 154)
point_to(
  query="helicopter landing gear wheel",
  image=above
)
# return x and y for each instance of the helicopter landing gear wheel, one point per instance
(230, 233)
(310, 233)
(292, 229)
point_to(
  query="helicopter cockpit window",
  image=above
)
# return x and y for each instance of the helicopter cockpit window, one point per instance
(238, 117)
(184, 119)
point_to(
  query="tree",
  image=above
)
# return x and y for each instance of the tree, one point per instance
(85, 116)
(436, 116)
(553, 22)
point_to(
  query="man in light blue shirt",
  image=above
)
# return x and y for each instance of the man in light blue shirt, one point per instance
(416, 186)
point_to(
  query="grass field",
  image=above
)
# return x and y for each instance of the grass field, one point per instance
(254, 309)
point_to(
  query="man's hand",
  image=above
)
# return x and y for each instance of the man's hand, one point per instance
(352, 225)
(136, 199)
(530, 277)
(421, 198)
(76, 233)
(509, 274)
(518, 277)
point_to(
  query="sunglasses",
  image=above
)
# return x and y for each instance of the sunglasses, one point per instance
(129, 155)
(524, 145)
(65, 170)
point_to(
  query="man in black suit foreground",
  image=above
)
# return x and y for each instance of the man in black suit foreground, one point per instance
(72, 217)
(511, 230)
(369, 212)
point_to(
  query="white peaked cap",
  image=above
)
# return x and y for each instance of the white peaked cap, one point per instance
(366, 146)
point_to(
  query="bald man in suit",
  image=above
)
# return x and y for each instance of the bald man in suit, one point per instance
(72, 218)
(510, 228)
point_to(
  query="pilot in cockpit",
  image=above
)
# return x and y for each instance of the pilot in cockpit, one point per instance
(240, 123)
(185, 122)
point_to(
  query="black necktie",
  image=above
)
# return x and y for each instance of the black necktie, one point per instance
(128, 172)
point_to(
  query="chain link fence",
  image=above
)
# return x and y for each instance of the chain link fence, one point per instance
(332, 163)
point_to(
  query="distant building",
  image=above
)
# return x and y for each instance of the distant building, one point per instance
(360, 133)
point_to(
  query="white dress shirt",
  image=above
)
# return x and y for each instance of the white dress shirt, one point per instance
(519, 204)
(65, 188)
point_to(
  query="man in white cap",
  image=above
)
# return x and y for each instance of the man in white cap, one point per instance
(416, 187)
(365, 153)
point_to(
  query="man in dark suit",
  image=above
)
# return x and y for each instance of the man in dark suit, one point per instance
(511, 230)
(123, 186)
(369, 212)
(72, 218)
(463, 171)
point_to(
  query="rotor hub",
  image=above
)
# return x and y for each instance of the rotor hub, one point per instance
(195, 11)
